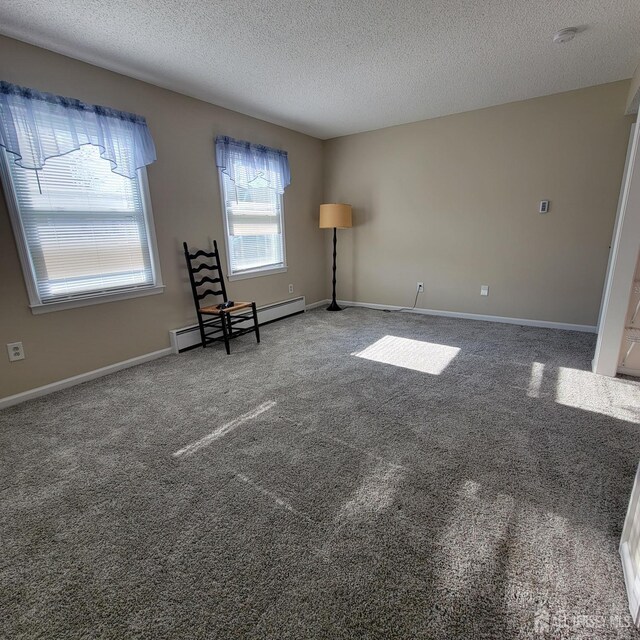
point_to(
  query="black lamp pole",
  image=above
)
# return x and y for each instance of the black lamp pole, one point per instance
(334, 305)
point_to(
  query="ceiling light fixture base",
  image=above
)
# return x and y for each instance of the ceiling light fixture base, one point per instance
(565, 35)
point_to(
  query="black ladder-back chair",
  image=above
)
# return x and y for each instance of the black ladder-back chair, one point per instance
(224, 320)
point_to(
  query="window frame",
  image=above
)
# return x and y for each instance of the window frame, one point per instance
(259, 271)
(35, 303)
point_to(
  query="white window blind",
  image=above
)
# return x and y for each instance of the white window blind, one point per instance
(254, 225)
(85, 228)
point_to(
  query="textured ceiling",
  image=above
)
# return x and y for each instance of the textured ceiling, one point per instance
(328, 67)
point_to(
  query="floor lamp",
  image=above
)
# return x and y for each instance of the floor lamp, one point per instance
(335, 216)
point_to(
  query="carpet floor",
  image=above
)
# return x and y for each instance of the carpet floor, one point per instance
(357, 475)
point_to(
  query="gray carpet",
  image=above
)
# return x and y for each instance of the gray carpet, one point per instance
(457, 479)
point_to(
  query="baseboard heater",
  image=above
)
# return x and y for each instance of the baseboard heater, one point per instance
(189, 337)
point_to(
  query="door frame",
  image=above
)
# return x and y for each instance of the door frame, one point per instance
(622, 264)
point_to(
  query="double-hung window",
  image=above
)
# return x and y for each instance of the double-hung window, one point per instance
(254, 227)
(84, 233)
(252, 181)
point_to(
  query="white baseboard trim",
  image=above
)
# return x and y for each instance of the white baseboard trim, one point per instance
(315, 305)
(629, 372)
(9, 401)
(544, 324)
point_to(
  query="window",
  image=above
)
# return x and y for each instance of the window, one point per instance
(254, 226)
(85, 233)
(252, 182)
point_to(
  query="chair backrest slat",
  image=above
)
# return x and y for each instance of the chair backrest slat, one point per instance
(200, 282)
(204, 265)
(201, 253)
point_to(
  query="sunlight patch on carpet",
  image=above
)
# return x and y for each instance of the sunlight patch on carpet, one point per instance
(376, 492)
(535, 381)
(278, 501)
(426, 357)
(609, 396)
(223, 430)
(472, 544)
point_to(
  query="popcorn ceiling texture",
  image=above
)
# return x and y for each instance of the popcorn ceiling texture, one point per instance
(293, 490)
(330, 67)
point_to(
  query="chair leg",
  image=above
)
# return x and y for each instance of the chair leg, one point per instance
(225, 335)
(202, 335)
(230, 326)
(255, 321)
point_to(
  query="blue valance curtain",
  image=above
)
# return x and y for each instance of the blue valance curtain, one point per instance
(35, 126)
(244, 162)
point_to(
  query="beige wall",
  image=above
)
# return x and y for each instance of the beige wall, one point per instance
(633, 97)
(186, 206)
(453, 202)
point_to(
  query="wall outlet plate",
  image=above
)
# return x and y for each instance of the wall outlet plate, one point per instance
(544, 206)
(484, 290)
(290, 288)
(420, 287)
(15, 351)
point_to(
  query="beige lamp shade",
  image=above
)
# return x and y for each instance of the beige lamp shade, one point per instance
(335, 215)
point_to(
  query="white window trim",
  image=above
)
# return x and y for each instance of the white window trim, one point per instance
(260, 271)
(256, 273)
(36, 305)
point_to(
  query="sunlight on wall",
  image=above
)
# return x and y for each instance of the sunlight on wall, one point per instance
(223, 430)
(610, 396)
(535, 381)
(425, 357)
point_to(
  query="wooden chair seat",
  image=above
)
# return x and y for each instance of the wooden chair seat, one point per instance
(213, 309)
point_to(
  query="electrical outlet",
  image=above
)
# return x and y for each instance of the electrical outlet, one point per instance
(484, 290)
(290, 288)
(543, 207)
(15, 351)
(420, 287)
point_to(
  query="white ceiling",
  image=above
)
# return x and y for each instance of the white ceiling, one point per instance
(333, 67)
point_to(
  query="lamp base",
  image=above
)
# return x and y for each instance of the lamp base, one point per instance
(334, 306)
